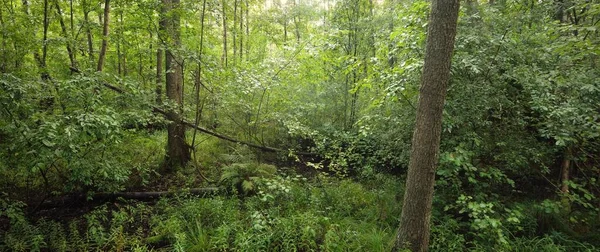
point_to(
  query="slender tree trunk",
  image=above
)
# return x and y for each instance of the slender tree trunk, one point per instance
(102, 55)
(565, 176)
(413, 232)
(36, 53)
(100, 21)
(178, 152)
(3, 49)
(159, 74)
(285, 31)
(119, 70)
(46, 102)
(119, 40)
(296, 23)
(392, 58)
(247, 30)
(224, 57)
(354, 45)
(346, 99)
(160, 52)
(241, 32)
(66, 35)
(123, 48)
(88, 30)
(45, 40)
(559, 14)
(199, 75)
(235, 31)
(71, 16)
(40, 59)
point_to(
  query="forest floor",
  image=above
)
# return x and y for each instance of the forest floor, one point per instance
(259, 207)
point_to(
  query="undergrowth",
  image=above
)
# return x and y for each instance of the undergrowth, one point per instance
(287, 212)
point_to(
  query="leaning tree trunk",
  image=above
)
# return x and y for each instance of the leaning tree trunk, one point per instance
(102, 54)
(413, 232)
(66, 36)
(178, 152)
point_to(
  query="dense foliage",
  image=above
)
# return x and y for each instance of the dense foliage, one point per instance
(327, 88)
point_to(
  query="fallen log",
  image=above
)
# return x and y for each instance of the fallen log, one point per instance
(82, 198)
(206, 131)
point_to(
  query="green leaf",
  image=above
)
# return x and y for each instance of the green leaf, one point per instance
(48, 143)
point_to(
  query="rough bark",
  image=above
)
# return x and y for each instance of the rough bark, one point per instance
(104, 47)
(178, 152)
(413, 232)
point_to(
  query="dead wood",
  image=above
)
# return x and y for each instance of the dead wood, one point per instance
(82, 198)
(206, 131)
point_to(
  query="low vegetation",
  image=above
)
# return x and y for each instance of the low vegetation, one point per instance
(272, 125)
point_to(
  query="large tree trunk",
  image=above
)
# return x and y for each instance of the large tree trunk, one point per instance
(413, 232)
(178, 152)
(102, 54)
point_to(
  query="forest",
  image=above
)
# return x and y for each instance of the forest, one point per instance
(300, 125)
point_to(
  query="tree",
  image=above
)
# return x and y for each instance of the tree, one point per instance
(88, 30)
(178, 152)
(160, 53)
(102, 54)
(224, 13)
(413, 232)
(67, 36)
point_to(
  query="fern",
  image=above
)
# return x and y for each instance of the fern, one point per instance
(243, 177)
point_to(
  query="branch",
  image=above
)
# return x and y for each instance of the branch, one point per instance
(156, 109)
